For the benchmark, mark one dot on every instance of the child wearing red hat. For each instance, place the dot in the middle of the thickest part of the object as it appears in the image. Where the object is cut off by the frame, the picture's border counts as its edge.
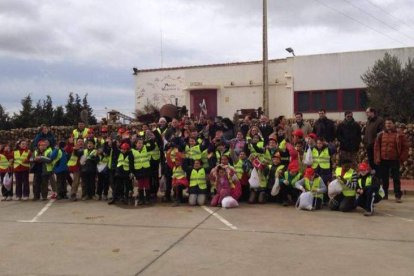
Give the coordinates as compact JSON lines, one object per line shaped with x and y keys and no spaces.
{"x":369,"y":189}
{"x":179,"y":176}
{"x":287,"y":184}
{"x":312,"y":182}
{"x":123,"y":174}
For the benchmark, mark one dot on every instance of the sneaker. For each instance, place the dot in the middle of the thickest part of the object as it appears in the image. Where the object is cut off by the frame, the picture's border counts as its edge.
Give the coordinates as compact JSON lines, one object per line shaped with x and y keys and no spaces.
{"x":9,"y":198}
{"x":25,"y":198}
{"x":18,"y":198}
{"x":104,"y":197}
{"x":85,"y":198}
{"x":4,"y":198}
{"x":398,"y":200}
{"x":53,"y":195}
{"x":73,"y":197}
{"x":95,"y":197}
{"x":368,"y":214}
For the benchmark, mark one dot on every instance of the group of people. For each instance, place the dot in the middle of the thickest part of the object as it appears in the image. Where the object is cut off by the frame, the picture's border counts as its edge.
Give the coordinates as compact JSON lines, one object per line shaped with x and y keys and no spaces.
{"x":211,"y":160}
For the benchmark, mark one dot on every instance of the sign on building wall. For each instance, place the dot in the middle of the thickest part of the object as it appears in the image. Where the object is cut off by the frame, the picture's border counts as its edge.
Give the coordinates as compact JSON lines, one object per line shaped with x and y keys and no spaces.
{"x":160,"y":89}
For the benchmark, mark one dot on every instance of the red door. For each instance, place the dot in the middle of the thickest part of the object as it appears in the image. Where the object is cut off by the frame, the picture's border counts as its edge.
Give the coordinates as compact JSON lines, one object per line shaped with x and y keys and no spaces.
{"x":203,"y":102}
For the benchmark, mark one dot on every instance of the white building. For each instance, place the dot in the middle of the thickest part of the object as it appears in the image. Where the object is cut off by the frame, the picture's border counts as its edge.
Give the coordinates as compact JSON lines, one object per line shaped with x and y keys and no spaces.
{"x":296,"y":84}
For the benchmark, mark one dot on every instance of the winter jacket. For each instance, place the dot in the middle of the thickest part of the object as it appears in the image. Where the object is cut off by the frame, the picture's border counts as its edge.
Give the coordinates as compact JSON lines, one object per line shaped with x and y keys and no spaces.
{"x":349,"y":135}
{"x":391,"y":145}
{"x":372,"y":128}
{"x":325,"y":128}
{"x":304,"y":126}
{"x":61,"y":165}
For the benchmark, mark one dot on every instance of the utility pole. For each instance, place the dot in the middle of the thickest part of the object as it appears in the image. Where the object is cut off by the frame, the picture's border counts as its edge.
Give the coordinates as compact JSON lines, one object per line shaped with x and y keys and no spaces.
{"x":265,"y":65}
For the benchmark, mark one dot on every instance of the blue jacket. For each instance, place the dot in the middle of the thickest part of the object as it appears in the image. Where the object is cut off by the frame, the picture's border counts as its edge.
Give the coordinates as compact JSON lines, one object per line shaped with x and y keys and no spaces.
{"x":61,"y":166}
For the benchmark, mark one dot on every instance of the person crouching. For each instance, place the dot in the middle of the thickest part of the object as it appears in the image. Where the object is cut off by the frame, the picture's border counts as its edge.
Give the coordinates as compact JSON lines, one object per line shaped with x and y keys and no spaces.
{"x":198,"y":184}
{"x":311,"y":182}
{"x":369,"y":189}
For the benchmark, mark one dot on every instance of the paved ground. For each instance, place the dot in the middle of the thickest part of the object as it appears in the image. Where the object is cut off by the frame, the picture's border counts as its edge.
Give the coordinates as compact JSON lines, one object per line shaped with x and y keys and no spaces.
{"x":92,"y":238}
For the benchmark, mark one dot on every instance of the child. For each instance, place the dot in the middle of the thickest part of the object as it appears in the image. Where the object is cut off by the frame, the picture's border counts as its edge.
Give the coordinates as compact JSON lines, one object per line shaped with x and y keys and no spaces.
{"x":21,"y":168}
{"x":74,"y":164}
{"x":142,"y":169}
{"x":198,"y":184}
{"x":287,"y":184}
{"x":179,"y":179}
{"x":274,"y":171}
{"x":369,"y":189}
{"x":348,"y":178}
{"x":259,"y":194}
{"x":42,"y":169}
{"x":103,"y":174}
{"x":243,"y":168}
{"x":123,"y":173}
{"x":312,"y":183}
{"x":60,"y":168}
{"x":5,"y":169}
{"x":88,"y":169}
{"x":223,"y":186}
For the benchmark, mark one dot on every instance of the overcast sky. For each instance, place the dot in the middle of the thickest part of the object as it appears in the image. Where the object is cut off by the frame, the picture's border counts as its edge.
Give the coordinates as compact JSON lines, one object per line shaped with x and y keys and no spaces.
{"x":90,"y":46}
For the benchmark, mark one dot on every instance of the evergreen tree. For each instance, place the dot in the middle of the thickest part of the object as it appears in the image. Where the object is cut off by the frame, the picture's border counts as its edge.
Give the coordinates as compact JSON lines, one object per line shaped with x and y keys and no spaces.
{"x":25,"y":117}
{"x":59,"y":118}
{"x":5,"y":122}
{"x":91,"y":118}
{"x":71,"y":112}
{"x":47,"y":111}
{"x":37,"y":114}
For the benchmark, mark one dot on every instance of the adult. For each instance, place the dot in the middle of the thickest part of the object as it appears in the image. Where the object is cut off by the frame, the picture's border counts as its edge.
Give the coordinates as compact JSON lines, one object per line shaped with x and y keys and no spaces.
{"x":282,"y":122}
{"x":44,"y":134}
{"x":301,"y":124}
{"x":324,"y":127}
{"x":349,"y":136}
{"x":245,"y":125}
{"x":373,"y":126}
{"x":265,"y":128}
{"x":390,"y":150}
{"x":81,"y":131}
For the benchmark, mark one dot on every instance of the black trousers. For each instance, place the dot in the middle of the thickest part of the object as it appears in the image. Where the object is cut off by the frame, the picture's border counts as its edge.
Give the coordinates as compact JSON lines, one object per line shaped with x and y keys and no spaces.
{"x":61,"y":184}
{"x":88,"y":184}
{"x":155,"y":181}
{"x":103,"y":183}
{"x":40,"y":185}
{"x":370,"y":154}
{"x":342,"y":203}
{"x":394,"y":166}
{"x":368,"y":198}
{"x":122,"y":187}
{"x":286,"y":190}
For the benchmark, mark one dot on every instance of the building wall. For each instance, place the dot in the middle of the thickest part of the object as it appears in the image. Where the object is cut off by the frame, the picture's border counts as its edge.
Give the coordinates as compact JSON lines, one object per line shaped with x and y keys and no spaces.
{"x":240,"y":85}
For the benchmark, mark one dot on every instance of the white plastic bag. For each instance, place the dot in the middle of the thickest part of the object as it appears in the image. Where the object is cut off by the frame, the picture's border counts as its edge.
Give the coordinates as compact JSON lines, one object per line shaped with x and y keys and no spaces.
{"x":163,"y":184}
{"x":308,"y":160}
{"x":276,"y":187}
{"x":334,"y":188}
{"x":254,"y":179}
{"x":7,"y":181}
{"x":229,"y":202}
{"x":101,"y":167}
{"x":305,"y":201}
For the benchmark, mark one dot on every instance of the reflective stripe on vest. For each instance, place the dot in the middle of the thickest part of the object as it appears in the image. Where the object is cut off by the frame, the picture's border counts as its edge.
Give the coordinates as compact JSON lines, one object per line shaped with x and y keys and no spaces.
{"x":73,"y":160}
{"x":141,"y":158}
{"x":204,"y":158}
{"x":77,"y":134}
{"x":47,"y":153}
{"x":315,"y":184}
{"x":19,"y":160}
{"x":321,"y":159}
{"x":178,"y":173}
{"x":198,"y":178}
{"x":259,"y":144}
{"x":239,"y":168}
{"x":58,"y":157}
{"x":193,"y":152}
{"x":368,"y":182}
{"x":294,"y":180}
{"x":89,"y":154}
{"x":4,"y":163}
{"x":346,"y":191}
{"x":155,"y":154}
{"x":123,"y":162}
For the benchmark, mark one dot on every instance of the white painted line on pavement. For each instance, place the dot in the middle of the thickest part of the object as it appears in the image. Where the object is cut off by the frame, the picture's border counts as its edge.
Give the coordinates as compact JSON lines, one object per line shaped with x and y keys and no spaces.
{"x":405,"y":219}
{"x":220,"y":218}
{"x":44,"y":209}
